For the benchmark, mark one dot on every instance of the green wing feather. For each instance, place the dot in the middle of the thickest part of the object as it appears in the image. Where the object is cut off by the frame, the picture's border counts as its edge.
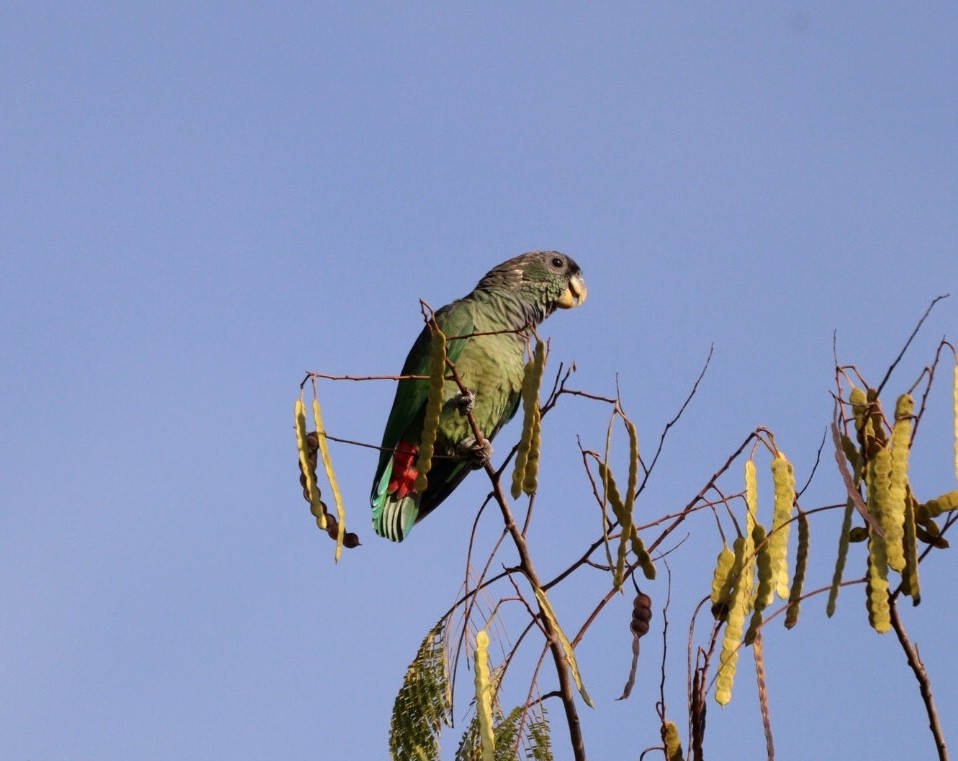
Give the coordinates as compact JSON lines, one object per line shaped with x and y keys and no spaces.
{"x":406,"y":419}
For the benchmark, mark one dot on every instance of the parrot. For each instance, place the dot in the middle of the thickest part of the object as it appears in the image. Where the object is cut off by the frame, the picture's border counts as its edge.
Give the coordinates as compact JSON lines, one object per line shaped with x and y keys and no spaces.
{"x":488,"y":332}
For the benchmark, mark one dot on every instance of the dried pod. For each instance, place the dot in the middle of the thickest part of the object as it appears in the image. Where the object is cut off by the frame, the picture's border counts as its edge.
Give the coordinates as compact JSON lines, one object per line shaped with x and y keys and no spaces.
{"x":763,"y":595}
{"x":798,"y":578}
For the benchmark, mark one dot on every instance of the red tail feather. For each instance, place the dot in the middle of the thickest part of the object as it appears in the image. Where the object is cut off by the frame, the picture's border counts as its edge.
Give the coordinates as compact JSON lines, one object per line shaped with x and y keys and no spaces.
{"x":404,"y":473}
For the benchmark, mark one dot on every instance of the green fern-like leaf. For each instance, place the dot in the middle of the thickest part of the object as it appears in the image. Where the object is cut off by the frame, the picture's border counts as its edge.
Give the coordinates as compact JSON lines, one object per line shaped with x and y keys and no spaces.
{"x":422,"y":706}
{"x":539,"y":739}
{"x":535,"y":736}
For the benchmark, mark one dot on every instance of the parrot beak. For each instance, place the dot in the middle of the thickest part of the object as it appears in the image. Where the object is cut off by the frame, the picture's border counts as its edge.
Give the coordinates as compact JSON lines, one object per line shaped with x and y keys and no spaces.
{"x":575,"y":294}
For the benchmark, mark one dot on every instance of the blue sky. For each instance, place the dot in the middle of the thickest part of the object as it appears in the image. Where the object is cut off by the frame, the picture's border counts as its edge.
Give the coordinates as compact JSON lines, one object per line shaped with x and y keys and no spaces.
{"x":199,"y":202}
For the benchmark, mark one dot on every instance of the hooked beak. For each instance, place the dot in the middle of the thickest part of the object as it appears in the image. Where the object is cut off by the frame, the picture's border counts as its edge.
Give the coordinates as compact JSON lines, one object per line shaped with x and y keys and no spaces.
{"x":575,"y":294}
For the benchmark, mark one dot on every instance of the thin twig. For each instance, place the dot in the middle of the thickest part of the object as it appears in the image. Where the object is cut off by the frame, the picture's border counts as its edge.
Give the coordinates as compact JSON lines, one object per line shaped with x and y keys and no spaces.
{"x":908,"y":342}
{"x":924,"y":681}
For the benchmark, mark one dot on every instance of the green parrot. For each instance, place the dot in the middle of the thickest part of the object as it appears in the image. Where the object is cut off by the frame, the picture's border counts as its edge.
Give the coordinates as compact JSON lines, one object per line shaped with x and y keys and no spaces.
{"x":488,"y":332}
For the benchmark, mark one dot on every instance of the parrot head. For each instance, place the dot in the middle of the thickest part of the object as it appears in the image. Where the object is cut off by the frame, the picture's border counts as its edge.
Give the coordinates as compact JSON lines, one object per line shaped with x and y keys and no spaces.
{"x":546,"y":279}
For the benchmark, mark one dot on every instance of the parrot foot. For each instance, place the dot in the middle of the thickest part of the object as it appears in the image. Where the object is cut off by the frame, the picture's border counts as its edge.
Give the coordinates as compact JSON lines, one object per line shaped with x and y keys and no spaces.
{"x":477,"y":454}
{"x":465,"y":403}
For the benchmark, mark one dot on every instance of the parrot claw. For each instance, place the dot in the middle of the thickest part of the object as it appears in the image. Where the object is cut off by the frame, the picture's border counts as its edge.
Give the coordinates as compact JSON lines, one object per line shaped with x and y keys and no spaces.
{"x":477,"y":454}
{"x":465,"y":402}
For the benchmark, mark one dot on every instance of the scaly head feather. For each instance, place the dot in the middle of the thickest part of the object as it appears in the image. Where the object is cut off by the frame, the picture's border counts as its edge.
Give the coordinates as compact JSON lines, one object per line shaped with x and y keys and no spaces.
{"x":537,"y":283}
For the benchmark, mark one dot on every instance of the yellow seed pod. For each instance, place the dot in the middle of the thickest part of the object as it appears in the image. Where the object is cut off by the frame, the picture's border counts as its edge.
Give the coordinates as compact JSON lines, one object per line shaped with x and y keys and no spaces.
{"x":330,"y":476}
{"x":721,"y":583}
{"x":843,"y":541}
{"x":894,"y":518}
{"x":434,"y":402}
{"x":622,"y":515}
{"x":735,"y":623}
{"x":525,"y":473}
{"x":874,"y":428}
{"x":612,"y":493}
{"x":935,"y":507}
{"x":883,"y":505}
{"x":546,"y":608}
{"x":909,"y":576}
{"x":751,"y":496}
{"x":798,"y":578}
{"x":633,"y":464}
{"x":672,"y":742}
{"x":766,"y":579}
{"x":530,"y":483}
{"x":859,"y":401}
{"x":783,"y":479}
{"x":876,"y":586}
{"x":642,"y":555}
{"x":530,"y":480}
{"x":484,"y":690}
{"x":315,"y":501}
{"x":525,"y":439}
{"x":853,"y":456}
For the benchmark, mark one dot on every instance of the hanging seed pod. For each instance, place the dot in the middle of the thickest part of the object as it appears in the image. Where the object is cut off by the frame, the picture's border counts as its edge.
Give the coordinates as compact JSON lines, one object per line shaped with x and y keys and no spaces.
{"x":639,"y":626}
{"x":641,"y":614}
{"x":893,"y":518}
{"x":642,"y":555}
{"x":909,"y":575}
{"x":763,"y":595}
{"x":331,"y":477}
{"x":783,"y":479}
{"x":306,"y":467}
{"x":798,"y":578}
{"x":672,"y":741}
{"x":843,"y":540}
{"x":738,"y":604}
{"x":484,"y":690}
{"x":623,"y":516}
{"x":722,"y":582}
{"x":546,"y":608}
{"x":530,"y":483}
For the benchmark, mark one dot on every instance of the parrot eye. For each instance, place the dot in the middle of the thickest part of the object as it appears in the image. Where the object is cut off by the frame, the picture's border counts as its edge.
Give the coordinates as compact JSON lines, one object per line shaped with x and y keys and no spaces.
{"x":557,"y":262}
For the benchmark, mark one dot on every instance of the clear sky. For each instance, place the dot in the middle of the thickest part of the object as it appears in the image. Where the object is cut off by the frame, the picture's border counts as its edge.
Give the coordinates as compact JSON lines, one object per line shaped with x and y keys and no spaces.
{"x":201,"y":201}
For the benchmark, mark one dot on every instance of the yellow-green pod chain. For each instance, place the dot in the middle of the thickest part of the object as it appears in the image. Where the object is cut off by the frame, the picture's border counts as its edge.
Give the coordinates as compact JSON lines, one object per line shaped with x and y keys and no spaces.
{"x":893,"y":522}
{"x":633,"y":464}
{"x":672,"y":741}
{"x":843,"y":541}
{"x":751,"y":496}
{"x":876,"y":585}
{"x":487,"y":735}
{"x":783,"y":479}
{"x":935,"y":507}
{"x":527,"y":455}
{"x":728,"y":659}
{"x":330,"y":476}
{"x":909,"y":576}
{"x":531,"y":480}
{"x":642,"y":555}
{"x":546,"y":607}
{"x":721,"y":581}
{"x":766,"y":580}
{"x":798,"y":578}
{"x":751,"y":501}
{"x":522,"y":450}
{"x":623,"y":516}
{"x":315,"y":501}
{"x":859,"y":401}
{"x":434,"y":400}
